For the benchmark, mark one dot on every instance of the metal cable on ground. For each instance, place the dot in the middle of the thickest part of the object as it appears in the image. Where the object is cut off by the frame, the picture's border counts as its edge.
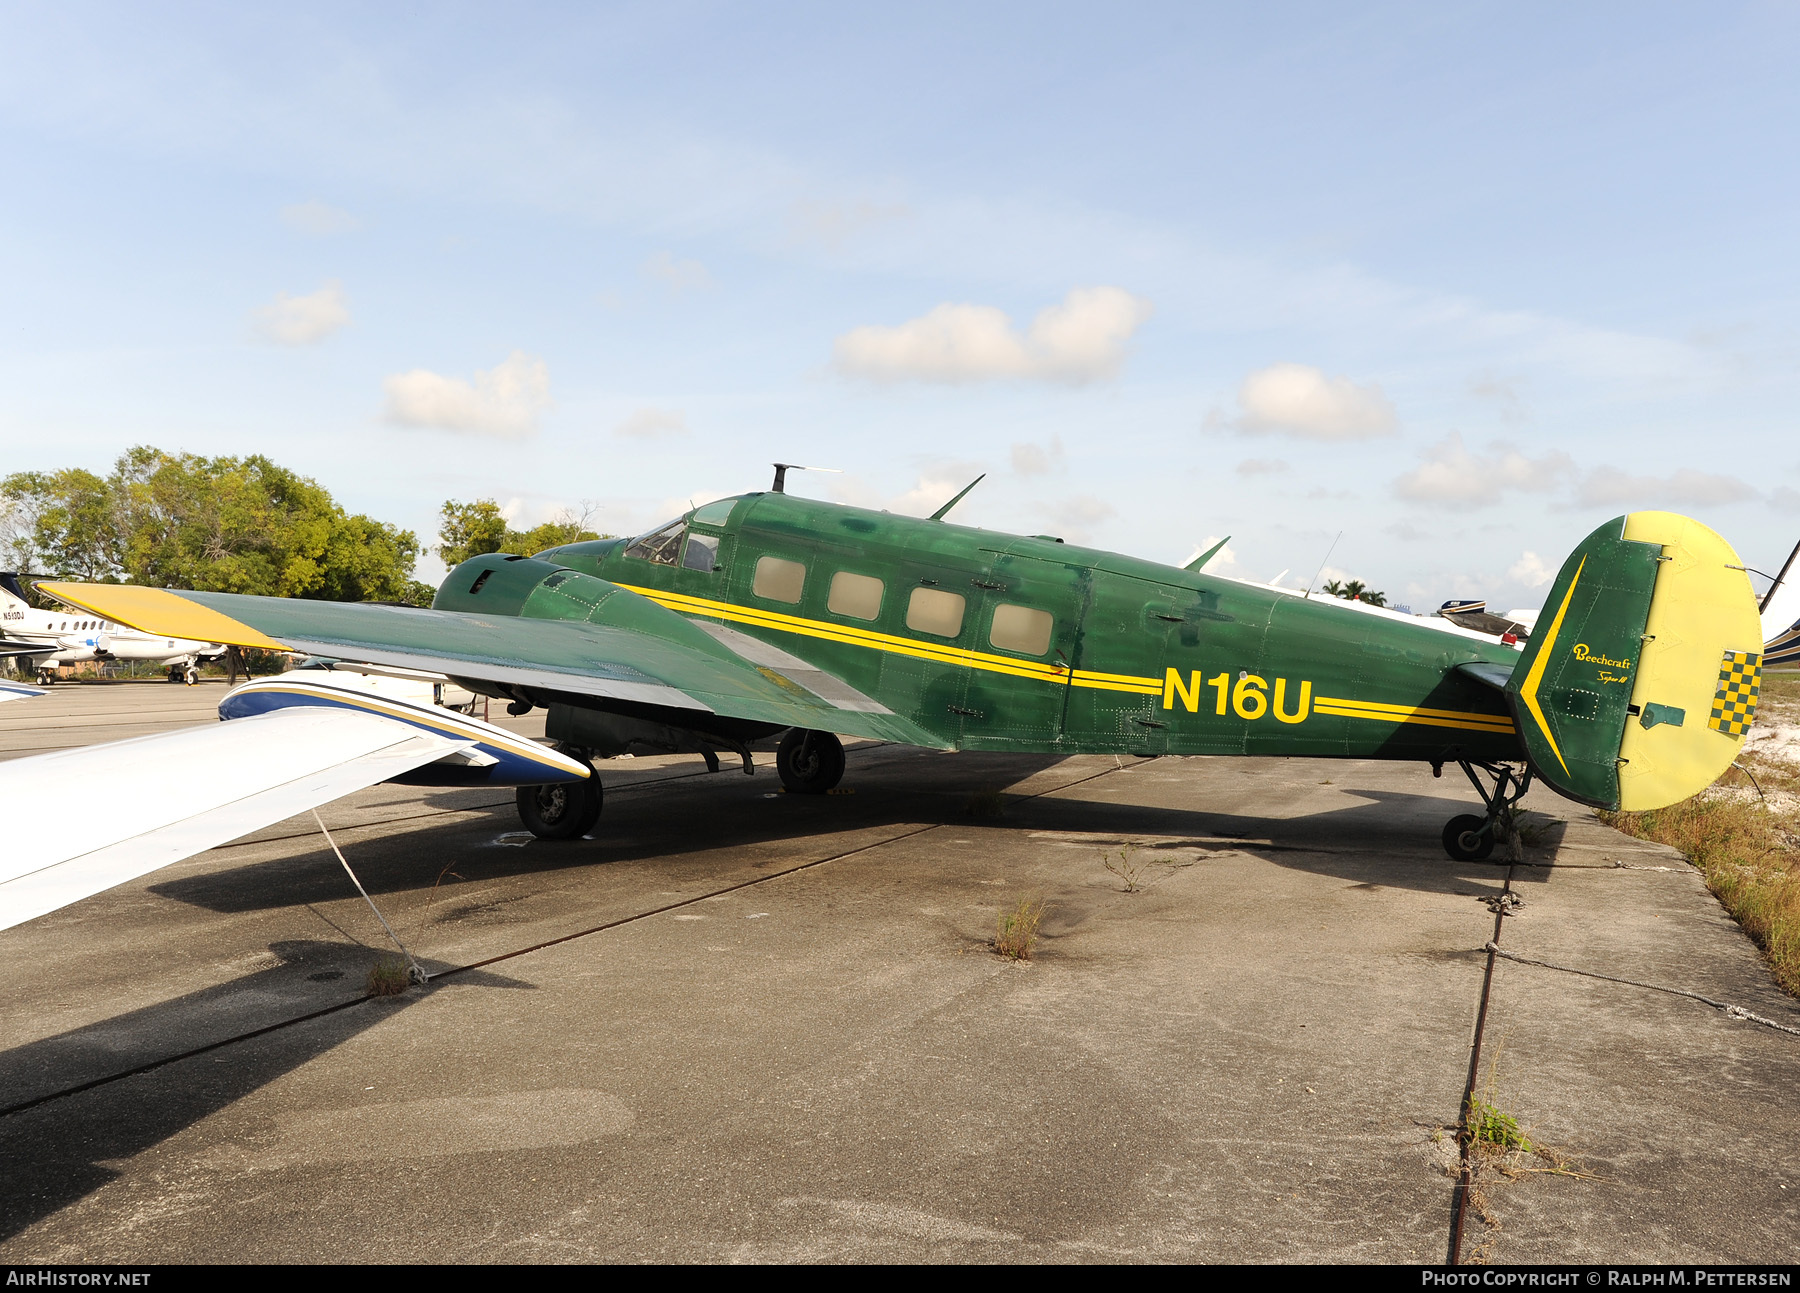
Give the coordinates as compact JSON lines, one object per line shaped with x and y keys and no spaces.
{"x":1735,"y":1012}
{"x":164,"y":1061}
{"x":1465,"y":1177}
{"x":413,"y":971}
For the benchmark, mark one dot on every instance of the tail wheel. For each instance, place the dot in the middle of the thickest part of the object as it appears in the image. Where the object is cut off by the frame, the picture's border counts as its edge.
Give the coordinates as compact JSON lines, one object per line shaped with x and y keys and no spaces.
{"x":1468,"y":838}
{"x":810,"y":763}
{"x":565,"y":811}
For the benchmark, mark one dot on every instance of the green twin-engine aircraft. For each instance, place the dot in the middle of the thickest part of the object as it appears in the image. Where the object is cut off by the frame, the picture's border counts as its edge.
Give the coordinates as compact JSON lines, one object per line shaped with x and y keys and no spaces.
{"x":766,"y":612}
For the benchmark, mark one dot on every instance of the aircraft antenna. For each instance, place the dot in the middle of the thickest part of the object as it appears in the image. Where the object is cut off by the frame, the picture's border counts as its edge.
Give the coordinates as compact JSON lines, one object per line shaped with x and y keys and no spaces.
{"x":1200,"y":561}
{"x":944,"y":511}
{"x":783,"y":468}
{"x":1779,"y":580}
{"x":1322,"y":561}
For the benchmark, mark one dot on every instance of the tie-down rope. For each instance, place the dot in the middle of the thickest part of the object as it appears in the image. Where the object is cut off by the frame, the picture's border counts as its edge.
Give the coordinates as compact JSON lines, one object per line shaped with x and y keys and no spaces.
{"x":414,"y":972}
{"x":1736,"y":1012}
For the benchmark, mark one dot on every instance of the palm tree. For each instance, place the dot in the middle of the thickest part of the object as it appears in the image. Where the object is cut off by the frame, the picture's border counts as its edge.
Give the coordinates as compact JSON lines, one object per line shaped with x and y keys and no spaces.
{"x":1355,"y":591}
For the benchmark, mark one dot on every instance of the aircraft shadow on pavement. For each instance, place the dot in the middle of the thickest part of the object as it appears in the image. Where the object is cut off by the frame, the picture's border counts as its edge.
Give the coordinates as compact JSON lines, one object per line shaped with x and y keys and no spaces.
{"x":1394,"y":832}
{"x":60,"y":1151}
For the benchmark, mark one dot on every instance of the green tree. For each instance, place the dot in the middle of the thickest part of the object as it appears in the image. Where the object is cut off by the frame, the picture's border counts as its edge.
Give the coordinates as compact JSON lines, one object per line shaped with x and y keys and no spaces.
{"x":241,"y":525}
{"x":470,"y":529}
{"x":60,"y":522}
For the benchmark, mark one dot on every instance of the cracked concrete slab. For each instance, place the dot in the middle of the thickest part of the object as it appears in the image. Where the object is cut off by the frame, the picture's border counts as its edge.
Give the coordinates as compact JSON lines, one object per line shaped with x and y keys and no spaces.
{"x":788,"y":1039}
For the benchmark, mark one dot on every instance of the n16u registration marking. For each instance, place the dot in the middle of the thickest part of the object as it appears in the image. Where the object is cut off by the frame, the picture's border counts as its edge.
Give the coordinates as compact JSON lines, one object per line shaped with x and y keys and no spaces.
{"x":1249,"y":699}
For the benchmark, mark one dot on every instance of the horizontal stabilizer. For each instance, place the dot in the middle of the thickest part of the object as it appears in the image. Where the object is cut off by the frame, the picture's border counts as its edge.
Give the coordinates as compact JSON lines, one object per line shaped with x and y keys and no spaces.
{"x":175,"y":794}
{"x":1491,"y":675}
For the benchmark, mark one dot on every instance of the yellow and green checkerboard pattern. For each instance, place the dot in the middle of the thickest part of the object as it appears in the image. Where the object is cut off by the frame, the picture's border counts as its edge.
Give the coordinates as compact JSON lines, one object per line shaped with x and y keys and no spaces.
{"x":1734,"y":704}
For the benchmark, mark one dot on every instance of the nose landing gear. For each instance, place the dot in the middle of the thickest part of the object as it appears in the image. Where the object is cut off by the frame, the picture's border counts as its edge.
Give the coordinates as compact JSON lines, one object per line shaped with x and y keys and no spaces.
{"x":1468,"y":838}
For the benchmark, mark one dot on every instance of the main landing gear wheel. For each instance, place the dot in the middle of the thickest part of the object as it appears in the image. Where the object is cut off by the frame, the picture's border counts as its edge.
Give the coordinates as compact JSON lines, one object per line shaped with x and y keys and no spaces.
{"x":1468,"y":838}
{"x":565,"y":811}
{"x":810,"y":763}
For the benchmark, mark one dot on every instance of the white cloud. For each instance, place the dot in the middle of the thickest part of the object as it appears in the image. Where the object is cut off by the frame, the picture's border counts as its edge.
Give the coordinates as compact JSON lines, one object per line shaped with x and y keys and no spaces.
{"x":1503,"y":393}
{"x":504,"y":401}
{"x":653,"y":424}
{"x":1081,"y":339}
{"x":1451,"y":476}
{"x":303,"y":320}
{"x":677,"y":275}
{"x":318,"y":219}
{"x":1075,"y":518}
{"x":1296,"y":399}
{"x":1530,"y":571}
{"x":832,"y":222}
{"x":1261,"y":467}
{"x":1687,"y":487}
{"x":1035,"y":460}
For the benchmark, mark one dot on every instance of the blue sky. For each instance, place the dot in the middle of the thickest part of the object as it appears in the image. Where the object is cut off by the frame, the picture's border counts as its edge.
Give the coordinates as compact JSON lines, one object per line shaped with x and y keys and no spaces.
{"x":1460,"y":282}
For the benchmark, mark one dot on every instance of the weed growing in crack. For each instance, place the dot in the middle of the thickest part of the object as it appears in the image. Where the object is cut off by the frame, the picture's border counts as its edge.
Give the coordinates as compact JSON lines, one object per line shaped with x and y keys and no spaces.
{"x":1489,"y":1128}
{"x":1018,"y":929}
{"x":1124,"y":867}
{"x":388,"y":977}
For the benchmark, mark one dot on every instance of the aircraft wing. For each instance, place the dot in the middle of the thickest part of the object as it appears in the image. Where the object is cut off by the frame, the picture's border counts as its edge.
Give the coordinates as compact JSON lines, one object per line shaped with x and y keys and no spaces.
{"x":629,"y":650}
{"x":10,"y":647}
{"x":18,"y":691}
{"x":1781,"y":618}
{"x":97,"y":816}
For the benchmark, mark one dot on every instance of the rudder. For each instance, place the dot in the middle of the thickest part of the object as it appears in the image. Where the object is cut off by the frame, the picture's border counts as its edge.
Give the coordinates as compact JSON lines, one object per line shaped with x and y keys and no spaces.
{"x":1638,"y":689}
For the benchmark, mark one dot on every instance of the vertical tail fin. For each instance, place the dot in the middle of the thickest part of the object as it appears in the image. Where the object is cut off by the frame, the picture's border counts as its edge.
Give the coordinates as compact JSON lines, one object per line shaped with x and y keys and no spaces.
{"x":1641,"y":679}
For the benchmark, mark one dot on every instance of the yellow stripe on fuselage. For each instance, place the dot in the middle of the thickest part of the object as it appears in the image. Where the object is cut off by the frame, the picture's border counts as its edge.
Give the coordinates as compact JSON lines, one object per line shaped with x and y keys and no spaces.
{"x":1094,"y":680}
{"x":1463,"y":719}
{"x":159,"y":611}
{"x":942,"y":654}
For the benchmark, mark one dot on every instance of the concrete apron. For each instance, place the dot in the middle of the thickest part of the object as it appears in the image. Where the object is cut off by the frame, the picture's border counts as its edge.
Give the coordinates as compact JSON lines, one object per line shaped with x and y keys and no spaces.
{"x":1259,"y":1055}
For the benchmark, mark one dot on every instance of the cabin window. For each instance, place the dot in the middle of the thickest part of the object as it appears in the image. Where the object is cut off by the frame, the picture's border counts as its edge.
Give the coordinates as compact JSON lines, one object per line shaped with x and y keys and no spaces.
{"x":932,"y":610}
{"x":701,"y":553}
{"x":659,"y":547}
{"x":779,"y":580}
{"x":715,"y":513}
{"x":1021,"y":629}
{"x":858,"y":596}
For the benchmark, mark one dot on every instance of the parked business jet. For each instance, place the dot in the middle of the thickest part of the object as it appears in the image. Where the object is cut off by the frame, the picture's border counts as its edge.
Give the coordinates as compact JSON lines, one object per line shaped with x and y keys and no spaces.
{"x":70,"y":637}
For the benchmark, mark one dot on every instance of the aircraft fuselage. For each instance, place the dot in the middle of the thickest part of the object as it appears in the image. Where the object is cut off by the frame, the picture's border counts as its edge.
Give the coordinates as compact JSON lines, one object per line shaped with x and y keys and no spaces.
{"x":1002,"y":642}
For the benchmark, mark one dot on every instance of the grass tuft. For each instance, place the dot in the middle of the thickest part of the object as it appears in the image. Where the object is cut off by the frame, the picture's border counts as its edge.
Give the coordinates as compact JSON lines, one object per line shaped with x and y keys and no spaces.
{"x":1750,"y":857}
{"x":1489,"y":1128}
{"x":1018,"y":930}
{"x":388,"y":977}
